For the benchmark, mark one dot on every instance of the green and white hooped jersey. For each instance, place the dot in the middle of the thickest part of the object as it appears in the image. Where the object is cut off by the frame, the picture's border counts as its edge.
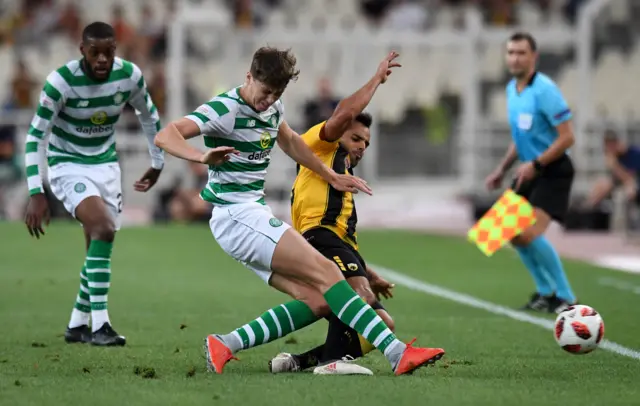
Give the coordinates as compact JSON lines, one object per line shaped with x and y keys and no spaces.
{"x":227,"y":120}
{"x":79,"y":115}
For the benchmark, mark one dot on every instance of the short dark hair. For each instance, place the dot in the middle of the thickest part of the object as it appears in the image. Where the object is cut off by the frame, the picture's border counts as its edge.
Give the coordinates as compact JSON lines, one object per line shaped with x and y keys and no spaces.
{"x":98,"y":30}
{"x":365,"y":119}
{"x":274,"y":67}
{"x":525,"y":36}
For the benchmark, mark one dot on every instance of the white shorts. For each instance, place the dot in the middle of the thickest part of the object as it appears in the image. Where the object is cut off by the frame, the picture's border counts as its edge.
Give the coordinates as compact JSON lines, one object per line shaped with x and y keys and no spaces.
{"x":71,"y":183}
{"x":249,"y":233}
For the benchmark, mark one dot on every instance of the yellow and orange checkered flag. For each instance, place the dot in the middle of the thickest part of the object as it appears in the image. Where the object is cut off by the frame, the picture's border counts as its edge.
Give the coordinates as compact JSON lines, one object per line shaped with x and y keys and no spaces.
{"x":507,"y":218}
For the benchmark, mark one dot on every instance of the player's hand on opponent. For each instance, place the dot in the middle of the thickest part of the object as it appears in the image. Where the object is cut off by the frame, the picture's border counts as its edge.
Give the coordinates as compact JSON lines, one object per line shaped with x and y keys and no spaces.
{"x":350,"y":183}
{"x":147,"y":180}
{"x":494,"y":180}
{"x":384,"y":69}
{"x":37,"y":211}
{"x":381,"y":287}
{"x":218,"y":156}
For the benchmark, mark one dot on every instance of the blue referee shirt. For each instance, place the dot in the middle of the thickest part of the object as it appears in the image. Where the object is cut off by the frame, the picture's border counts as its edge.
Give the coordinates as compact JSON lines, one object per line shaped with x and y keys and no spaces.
{"x":534,"y":114}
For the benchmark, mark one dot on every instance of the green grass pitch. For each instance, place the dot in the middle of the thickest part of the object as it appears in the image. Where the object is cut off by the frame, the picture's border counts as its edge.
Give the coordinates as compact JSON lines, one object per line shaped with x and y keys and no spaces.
{"x":173,"y":285}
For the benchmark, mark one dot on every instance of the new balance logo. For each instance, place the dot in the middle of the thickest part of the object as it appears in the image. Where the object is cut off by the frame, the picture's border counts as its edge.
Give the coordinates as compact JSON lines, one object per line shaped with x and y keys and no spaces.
{"x":83,"y":103}
{"x":251,"y":123}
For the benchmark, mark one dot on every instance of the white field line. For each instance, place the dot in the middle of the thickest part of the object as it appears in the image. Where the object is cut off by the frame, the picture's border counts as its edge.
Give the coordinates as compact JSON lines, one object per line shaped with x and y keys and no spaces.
{"x":620,"y":285}
{"x":444,"y":293}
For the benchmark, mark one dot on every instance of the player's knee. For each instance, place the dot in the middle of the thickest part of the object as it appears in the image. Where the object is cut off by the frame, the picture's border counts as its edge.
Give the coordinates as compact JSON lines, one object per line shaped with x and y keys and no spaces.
{"x":326,"y":274}
{"x":104,"y":230}
{"x":302,"y":292}
{"x":320,"y":308}
{"x":317,"y":304}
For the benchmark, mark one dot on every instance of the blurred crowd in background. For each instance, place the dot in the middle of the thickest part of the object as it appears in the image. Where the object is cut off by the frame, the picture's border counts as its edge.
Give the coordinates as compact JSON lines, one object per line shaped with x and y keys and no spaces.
{"x":142,"y":35}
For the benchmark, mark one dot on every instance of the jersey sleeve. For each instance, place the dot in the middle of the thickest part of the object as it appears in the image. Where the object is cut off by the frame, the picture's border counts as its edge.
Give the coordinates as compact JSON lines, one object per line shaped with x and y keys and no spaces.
{"x":147,"y":115}
{"x":313,"y":140}
{"x":280,"y":109}
{"x":50,"y":103}
{"x":215,"y":117}
{"x":553,"y":105}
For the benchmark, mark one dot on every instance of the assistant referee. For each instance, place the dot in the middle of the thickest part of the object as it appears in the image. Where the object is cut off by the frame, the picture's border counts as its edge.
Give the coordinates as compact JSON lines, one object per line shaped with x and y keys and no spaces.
{"x":541,"y":131}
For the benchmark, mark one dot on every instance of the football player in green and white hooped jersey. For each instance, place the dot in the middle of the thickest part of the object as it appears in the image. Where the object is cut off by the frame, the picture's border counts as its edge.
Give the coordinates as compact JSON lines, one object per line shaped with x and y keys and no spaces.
{"x":79,"y":106}
{"x":241,"y":127}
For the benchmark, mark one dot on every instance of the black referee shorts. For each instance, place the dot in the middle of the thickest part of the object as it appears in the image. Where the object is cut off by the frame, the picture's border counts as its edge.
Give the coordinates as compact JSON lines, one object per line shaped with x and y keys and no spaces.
{"x":550,"y":190}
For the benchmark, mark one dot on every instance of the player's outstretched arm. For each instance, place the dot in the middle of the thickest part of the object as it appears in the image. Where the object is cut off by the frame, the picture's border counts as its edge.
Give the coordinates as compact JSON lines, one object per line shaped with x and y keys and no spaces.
{"x":147,"y":115}
{"x":211,"y":118}
{"x":294,"y":146}
{"x":173,"y":139}
{"x":150,"y":121}
{"x":353,"y":105}
{"x":51,"y":101}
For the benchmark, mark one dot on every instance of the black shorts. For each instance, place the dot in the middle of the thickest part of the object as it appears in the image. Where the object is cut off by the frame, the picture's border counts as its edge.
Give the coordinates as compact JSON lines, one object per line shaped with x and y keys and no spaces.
{"x":331,"y":246}
{"x":344,"y":255}
{"x":551,"y":189}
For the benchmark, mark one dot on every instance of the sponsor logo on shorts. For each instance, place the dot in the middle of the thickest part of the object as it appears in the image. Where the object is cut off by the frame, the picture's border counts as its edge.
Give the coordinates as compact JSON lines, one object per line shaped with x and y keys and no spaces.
{"x":80,"y":187}
{"x":274,"y":222}
{"x":352,"y":267}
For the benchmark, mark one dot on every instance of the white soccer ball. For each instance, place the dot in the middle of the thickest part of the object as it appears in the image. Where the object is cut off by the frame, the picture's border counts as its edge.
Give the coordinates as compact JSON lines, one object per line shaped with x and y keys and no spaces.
{"x":579,"y":329}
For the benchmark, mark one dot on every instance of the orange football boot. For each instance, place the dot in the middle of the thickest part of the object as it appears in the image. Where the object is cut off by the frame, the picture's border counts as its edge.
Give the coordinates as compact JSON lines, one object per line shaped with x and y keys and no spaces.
{"x":416,"y":357}
{"x":217,"y":354}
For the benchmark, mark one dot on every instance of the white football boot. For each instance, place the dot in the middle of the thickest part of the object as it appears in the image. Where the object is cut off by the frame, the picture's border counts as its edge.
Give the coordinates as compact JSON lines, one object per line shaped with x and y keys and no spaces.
{"x":345,"y":366}
{"x":283,"y":362}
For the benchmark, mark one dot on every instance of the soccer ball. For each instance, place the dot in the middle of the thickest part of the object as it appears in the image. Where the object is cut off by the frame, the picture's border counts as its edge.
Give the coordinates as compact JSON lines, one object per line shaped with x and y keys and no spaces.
{"x":579,"y":329}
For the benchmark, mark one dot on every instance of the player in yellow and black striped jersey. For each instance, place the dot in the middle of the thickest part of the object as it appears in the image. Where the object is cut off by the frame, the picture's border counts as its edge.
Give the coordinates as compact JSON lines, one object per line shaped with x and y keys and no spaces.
{"x":327,"y":219}
{"x":314,"y":202}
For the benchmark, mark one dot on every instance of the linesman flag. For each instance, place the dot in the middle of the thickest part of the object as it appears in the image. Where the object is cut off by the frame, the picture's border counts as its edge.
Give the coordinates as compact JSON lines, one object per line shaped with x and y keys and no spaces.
{"x":507,"y":218}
